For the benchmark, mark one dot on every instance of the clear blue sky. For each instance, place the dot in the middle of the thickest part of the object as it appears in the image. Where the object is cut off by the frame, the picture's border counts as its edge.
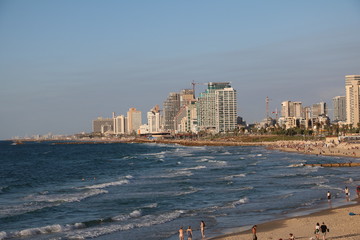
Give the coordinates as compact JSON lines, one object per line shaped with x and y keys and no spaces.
{"x":63,"y":63}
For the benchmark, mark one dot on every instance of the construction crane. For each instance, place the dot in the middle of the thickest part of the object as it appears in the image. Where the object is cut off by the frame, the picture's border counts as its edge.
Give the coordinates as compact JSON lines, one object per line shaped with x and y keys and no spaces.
{"x":193,"y":86}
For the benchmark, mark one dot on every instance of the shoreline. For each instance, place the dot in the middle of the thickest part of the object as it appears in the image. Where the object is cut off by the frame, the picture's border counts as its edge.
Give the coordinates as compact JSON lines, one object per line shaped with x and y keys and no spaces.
{"x":342,"y":226}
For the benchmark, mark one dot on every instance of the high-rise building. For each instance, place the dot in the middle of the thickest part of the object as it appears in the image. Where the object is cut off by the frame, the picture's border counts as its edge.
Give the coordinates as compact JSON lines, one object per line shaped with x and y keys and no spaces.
{"x":171,"y":107}
{"x":216,"y":107}
{"x":133,"y":120}
{"x":291,"y":109}
{"x":120,"y":124}
{"x":339,"y":105}
{"x":352,"y":89}
{"x":319,"y":109}
{"x":226,"y":109}
{"x":154,"y":120}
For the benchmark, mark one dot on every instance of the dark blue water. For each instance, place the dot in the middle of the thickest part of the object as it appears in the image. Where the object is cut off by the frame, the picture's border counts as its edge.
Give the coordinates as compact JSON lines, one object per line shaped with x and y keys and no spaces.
{"x":147,"y":191}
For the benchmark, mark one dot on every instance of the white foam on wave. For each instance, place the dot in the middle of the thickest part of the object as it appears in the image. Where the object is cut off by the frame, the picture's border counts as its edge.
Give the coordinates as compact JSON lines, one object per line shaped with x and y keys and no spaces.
{"x":38,"y":231}
{"x":240,"y":202}
{"x":242,"y":175}
{"x":143,"y":221}
{"x":105,"y":185}
{"x":30,"y":232}
{"x":3,"y":235}
{"x":68,"y":197}
{"x":191,"y":190}
{"x":218,"y":162}
{"x":41,"y":201}
{"x":152,"y":205}
{"x":192,"y":168}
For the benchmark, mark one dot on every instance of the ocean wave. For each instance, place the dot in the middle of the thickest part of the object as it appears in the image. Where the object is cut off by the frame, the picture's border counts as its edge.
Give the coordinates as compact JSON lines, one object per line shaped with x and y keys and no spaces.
{"x":143,"y":221}
{"x":66,"y":197}
{"x":3,"y":235}
{"x":123,"y":217}
{"x":105,"y":185}
{"x":191,"y":190}
{"x":192,"y":168}
{"x":240,"y":202}
{"x":235,"y":176}
{"x":41,"y":201}
{"x":50,"y":229}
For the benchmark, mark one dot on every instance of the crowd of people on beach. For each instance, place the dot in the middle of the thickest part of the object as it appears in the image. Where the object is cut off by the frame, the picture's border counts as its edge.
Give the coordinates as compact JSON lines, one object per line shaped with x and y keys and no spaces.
{"x":318,"y":147}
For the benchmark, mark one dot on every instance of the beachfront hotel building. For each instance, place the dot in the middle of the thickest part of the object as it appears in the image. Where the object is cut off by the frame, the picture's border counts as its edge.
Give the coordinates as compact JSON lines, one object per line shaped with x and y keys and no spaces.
{"x":352,"y":89}
{"x":339,"y":106}
{"x":133,"y":120}
{"x":217,"y":108}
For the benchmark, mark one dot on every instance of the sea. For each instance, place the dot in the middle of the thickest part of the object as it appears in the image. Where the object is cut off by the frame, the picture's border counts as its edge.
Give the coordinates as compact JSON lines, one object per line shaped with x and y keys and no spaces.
{"x":116,"y":191}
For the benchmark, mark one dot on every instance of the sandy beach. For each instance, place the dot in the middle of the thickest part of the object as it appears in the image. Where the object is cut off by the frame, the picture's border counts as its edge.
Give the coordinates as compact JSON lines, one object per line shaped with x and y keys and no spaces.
{"x":342,"y":226}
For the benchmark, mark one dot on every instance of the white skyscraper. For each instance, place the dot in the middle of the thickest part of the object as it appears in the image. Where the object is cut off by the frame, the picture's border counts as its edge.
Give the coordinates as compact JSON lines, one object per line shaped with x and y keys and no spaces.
{"x":216,"y":108}
{"x":352,"y":88}
{"x":226,"y":109}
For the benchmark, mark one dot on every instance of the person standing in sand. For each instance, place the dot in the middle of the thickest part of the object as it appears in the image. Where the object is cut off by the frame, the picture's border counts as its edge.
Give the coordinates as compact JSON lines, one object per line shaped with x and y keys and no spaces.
{"x":324,"y":229}
{"x":317,"y":231}
{"x":202,"y":229}
{"x":181,"y":233}
{"x":189,"y":233}
{"x":253,"y":229}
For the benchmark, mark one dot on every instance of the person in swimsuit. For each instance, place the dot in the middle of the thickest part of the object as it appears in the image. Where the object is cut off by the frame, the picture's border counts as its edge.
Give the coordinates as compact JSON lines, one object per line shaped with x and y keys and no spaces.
{"x":181,"y":233}
{"x":202,"y":229}
{"x":253,"y":229}
{"x":189,"y":233}
{"x":328,"y":195}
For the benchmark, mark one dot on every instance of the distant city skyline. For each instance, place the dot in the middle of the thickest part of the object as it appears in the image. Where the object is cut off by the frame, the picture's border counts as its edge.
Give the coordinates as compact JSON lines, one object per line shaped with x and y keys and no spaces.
{"x":64,"y":63}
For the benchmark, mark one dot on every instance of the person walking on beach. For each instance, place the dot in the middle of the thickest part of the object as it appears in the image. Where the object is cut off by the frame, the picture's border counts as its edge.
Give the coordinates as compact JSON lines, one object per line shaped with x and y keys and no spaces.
{"x":202,"y":229}
{"x":253,"y":229}
{"x":324,"y":229}
{"x":181,"y":233}
{"x":189,"y":233}
{"x":317,"y":231}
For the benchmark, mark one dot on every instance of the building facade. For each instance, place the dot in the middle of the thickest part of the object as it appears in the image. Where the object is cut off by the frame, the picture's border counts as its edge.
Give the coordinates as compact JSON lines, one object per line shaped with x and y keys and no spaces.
{"x":120,"y":124}
{"x":154,"y":120}
{"x":339,"y":105}
{"x":103,"y":125}
{"x":171,"y":107}
{"x":134,"y":121}
{"x":226,"y":109}
{"x":216,"y":108}
{"x":352,"y":89}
